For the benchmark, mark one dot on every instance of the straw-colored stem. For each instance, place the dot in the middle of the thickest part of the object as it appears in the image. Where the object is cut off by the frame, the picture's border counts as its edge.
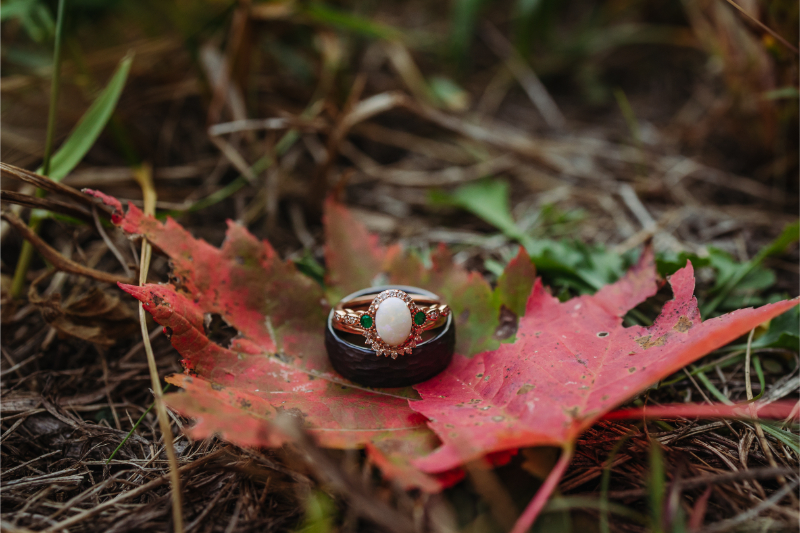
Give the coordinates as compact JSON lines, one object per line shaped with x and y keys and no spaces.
{"x":143,"y":176}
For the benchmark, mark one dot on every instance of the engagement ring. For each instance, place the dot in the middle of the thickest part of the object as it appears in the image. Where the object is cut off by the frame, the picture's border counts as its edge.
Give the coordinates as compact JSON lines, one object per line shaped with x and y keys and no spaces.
{"x":410,"y":327}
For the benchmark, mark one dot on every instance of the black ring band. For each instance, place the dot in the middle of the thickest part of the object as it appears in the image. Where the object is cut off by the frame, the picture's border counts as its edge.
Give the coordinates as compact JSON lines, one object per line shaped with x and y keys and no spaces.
{"x":362,"y":365}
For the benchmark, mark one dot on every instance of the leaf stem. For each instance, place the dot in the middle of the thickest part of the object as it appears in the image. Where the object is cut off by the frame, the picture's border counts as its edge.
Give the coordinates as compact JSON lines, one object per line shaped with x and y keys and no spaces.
{"x":535,"y":506}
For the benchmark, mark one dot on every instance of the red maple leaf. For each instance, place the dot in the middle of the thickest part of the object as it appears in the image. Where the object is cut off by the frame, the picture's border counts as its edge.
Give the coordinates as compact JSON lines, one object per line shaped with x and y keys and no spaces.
{"x":572,"y":362}
{"x":277,"y":363}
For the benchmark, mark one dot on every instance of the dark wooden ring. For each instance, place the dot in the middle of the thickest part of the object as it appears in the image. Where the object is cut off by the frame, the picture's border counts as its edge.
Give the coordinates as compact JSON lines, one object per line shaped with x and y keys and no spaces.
{"x":362,"y":365}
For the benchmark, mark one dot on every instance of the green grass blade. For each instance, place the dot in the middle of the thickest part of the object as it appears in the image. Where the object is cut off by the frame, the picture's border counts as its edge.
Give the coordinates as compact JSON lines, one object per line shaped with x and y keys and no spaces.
{"x":712,"y":389}
{"x":54,"y":90}
{"x":463,"y":23}
{"x":136,"y":425}
{"x":566,"y":503}
{"x":789,"y":439}
{"x":348,"y":21}
{"x":789,"y":235}
{"x":91,"y":124}
{"x":604,"y":505}
{"x":655,"y":488}
{"x":26,"y":254}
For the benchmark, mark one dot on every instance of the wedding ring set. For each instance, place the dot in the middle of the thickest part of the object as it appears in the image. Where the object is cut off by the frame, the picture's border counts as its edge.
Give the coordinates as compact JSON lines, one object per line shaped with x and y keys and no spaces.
{"x":408,"y":336}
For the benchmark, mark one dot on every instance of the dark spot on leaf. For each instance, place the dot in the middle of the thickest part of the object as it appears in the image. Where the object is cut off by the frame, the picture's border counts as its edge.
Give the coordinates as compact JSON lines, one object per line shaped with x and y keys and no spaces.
{"x":245,"y":403}
{"x":479,"y":375}
{"x":284,"y":358}
{"x":525,"y":389}
{"x":157,"y":300}
{"x":632,"y":369}
{"x":507,"y":325}
{"x":648,"y":342}
{"x":217,"y":386}
{"x":602,"y":334}
{"x":683,"y":325}
{"x":167,"y":331}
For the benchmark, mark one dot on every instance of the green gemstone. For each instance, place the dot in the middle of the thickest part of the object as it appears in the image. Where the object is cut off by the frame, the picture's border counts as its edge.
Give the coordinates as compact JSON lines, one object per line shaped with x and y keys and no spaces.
{"x":366,"y":321}
{"x":419,"y":318}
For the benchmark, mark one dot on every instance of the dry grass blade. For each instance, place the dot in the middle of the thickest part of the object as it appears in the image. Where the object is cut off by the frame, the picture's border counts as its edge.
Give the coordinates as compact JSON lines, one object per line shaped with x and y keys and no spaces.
{"x":258,"y":118}
{"x":727,"y":525}
{"x":142,"y":489}
{"x":43,"y":182}
{"x":145,"y":180}
{"x":525,"y":75}
{"x":54,"y":206}
{"x":359,"y":497}
{"x":764,"y":27}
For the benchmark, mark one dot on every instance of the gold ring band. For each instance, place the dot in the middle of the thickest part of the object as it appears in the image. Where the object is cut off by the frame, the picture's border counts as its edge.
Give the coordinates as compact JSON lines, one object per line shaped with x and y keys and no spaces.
{"x":359,"y":316}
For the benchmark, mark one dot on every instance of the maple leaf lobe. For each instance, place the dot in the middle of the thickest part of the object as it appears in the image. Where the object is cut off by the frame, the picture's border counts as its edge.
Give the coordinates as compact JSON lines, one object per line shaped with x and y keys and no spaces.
{"x":566,"y":395}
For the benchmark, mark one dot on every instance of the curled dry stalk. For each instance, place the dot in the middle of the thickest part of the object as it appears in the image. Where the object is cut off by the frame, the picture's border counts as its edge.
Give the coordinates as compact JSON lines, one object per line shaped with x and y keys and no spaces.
{"x":52,"y":255}
{"x":144,"y":178}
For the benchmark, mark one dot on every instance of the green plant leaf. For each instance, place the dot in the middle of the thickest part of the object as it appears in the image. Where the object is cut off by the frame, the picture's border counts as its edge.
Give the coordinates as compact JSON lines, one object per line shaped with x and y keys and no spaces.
{"x":488,"y":200}
{"x":784,"y":332}
{"x":670,"y":262}
{"x":563,"y":263}
{"x":91,"y":125}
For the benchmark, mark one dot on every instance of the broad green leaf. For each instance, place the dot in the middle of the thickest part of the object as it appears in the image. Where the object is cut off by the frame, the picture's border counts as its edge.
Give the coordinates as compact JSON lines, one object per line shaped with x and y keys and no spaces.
{"x":488,"y":200}
{"x":783,"y":332}
{"x":670,"y":262}
{"x":91,"y":125}
{"x":571,"y":264}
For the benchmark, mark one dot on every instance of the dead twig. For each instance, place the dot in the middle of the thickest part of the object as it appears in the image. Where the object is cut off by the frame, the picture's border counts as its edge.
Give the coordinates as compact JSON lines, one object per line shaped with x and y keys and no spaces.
{"x":43,"y":182}
{"x":526,"y":77}
{"x":54,"y":206}
{"x":58,"y":261}
{"x":142,"y":489}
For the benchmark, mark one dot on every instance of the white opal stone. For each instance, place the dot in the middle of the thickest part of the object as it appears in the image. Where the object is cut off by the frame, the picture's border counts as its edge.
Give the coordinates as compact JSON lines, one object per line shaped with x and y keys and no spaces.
{"x":393,"y":321}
